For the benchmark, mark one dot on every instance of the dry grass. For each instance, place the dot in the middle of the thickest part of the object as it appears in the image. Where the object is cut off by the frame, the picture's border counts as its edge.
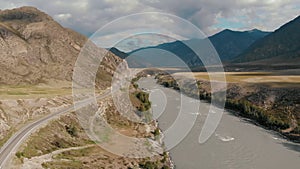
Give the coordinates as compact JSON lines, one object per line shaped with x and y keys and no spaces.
{"x":31,"y":92}
{"x":44,"y":90}
{"x":247,"y":77}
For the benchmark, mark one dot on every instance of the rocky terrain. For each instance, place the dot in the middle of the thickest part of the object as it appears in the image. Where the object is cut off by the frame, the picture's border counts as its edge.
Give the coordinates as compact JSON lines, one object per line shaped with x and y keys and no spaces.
{"x":36,"y":52}
{"x":63,"y":143}
{"x":15,"y":113}
{"x":35,"y":48}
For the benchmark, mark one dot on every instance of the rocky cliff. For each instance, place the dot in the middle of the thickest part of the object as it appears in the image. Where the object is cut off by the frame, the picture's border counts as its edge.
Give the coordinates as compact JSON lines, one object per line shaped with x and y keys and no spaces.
{"x":34,"y":48}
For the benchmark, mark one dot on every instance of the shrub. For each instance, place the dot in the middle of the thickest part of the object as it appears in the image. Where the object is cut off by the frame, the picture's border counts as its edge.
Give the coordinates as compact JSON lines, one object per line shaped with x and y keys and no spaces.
{"x":72,"y":130}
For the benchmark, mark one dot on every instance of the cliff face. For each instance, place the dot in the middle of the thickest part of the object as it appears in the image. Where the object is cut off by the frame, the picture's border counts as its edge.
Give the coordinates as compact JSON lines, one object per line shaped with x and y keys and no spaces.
{"x":34,"y":48}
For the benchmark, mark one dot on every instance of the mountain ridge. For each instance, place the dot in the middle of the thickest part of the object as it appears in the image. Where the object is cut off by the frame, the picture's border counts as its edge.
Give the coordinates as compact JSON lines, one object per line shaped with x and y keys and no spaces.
{"x":235,"y":42}
{"x":229,"y":43}
{"x":283,"y":45}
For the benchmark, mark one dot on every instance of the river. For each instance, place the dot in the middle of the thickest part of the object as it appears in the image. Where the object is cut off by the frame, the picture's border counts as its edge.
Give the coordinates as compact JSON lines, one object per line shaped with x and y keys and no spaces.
{"x":236,"y":143}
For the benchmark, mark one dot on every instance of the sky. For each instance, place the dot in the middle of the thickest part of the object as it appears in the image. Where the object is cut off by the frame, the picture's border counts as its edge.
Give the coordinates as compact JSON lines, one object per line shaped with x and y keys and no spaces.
{"x":210,"y":16}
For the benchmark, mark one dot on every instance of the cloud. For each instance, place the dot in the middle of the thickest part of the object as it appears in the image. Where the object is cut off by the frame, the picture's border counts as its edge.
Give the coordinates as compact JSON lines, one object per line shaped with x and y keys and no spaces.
{"x":150,"y":28}
{"x":87,"y":16}
{"x":62,"y":17}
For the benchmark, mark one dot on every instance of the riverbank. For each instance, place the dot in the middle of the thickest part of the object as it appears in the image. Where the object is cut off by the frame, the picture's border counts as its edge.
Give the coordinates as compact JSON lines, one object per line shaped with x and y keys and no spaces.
{"x":274,"y":108}
{"x":236,"y":143}
{"x":141,"y":102}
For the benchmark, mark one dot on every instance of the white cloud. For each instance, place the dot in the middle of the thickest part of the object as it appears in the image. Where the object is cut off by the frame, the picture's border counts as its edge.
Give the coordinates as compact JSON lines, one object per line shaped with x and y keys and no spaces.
{"x":63,"y":17}
{"x":87,"y":16}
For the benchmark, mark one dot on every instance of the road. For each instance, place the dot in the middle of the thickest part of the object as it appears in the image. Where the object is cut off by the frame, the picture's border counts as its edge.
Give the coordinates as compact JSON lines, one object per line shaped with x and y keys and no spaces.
{"x":8,"y":149}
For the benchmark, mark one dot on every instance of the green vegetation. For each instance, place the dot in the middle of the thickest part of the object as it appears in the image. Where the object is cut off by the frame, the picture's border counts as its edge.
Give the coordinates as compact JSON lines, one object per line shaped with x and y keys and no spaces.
{"x":142,"y":103}
{"x":19,"y":154}
{"x":251,"y":111}
{"x":170,"y":83}
{"x":165,"y":157}
{"x":149,"y":165}
{"x":135,"y":85}
{"x":165,"y":167}
{"x":156,"y":132}
{"x":143,"y":97}
{"x":134,"y":80}
{"x":145,"y":102}
{"x":72,"y":130}
{"x":152,"y":165}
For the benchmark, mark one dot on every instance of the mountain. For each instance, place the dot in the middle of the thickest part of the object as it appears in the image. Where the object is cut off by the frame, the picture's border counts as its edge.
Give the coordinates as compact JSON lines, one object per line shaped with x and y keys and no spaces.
{"x":117,"y":52}
{"x":34,"y":48}
{"x":283,"y":45}
{"x":230,"y":44}
{"x":132,"y":61}
{"x":165,"y":55}
{"x":227,"y":43}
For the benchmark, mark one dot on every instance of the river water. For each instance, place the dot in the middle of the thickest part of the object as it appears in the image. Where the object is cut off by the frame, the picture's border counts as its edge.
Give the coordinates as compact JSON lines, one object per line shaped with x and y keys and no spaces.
{"x":236,"y":144}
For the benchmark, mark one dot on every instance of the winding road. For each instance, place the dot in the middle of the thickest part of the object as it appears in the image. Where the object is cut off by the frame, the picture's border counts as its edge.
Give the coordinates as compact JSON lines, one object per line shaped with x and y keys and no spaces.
{"x":9,"y":148}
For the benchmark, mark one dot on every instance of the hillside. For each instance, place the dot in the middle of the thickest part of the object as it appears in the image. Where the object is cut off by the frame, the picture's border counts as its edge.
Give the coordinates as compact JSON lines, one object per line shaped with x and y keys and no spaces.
{"x":34,"y":48}
{"x":37,"y":60}
{"x":281,"y":46}
{"x":230,"y":44}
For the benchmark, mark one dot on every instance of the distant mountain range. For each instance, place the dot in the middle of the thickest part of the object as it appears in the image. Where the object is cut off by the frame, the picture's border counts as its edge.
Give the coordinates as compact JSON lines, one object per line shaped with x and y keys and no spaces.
{"x":283,"y":46}
{"x":227,"y":43}
{"x":250,"y":47}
